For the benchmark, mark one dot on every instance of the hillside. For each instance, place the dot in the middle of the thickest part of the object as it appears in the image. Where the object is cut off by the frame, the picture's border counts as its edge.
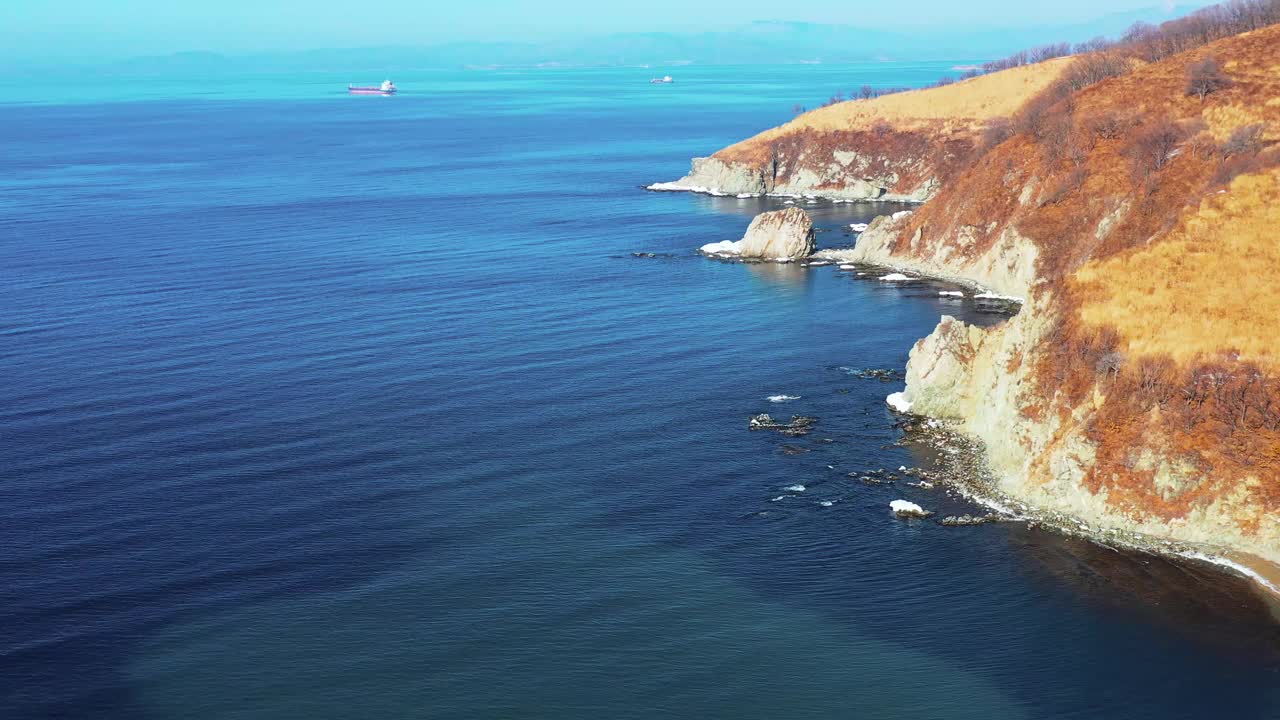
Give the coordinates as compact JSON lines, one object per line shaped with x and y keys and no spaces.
{"x":1138,"y":391}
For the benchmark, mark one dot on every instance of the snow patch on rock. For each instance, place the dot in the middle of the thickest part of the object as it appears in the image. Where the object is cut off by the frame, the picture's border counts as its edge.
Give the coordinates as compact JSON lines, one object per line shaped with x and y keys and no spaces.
{"x":906,"y":508}
{"x":899,"y":402}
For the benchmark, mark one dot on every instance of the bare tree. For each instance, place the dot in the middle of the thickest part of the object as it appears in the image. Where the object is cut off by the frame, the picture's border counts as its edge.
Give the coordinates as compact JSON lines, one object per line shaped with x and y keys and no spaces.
{"x":1107,"y":125}
{"x":1244,"y":140}
{"x":996,"y":132}
{"x":1154,"y":146}
{"x":1206,"y":77}
{"x":867,"y":92}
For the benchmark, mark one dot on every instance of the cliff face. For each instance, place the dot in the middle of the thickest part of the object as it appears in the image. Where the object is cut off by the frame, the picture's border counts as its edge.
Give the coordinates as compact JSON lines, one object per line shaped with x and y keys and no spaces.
{"x":896,"y":147}
{"x":1007,"y":266}
{"x":1139,"y":388}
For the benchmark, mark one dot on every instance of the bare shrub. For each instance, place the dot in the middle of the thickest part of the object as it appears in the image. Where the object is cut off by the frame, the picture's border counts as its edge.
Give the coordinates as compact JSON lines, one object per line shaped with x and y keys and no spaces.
{"x":1109,"y":363}
{"x":1032,"y":118}
{"x":1151,"y":43}
{"x":1093,"y":68}
{"x":1206,"y":77}
{"x":996,"y":132}
{"x":1050,"y":51}
{"x":1097,"y":44}
{"x":1200,"y":28}
{"x":1153,"y":148}
{"x":1027,"y":57}
{"x":1231,"y":167}
{"x":1054,"y":136}
{"x":1245,"y":140}
{"x":1079,"y":145}
{"x":1205,"y":146}
{"x":1065,"y":186}
{"x":1107,"y":125}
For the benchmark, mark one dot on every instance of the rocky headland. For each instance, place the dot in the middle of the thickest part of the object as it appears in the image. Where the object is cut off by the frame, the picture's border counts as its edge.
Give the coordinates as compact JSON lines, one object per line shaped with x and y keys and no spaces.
{"x":899,"y":147}
{"x":1136,"y":394}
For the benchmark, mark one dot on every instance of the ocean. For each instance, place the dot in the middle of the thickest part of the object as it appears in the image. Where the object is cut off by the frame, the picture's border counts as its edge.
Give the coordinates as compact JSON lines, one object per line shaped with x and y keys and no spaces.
{"x":324,"y":406}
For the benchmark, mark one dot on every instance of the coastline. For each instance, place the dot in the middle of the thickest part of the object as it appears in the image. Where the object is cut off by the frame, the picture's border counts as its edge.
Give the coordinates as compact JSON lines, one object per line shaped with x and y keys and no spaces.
{"x":981,"y":487}
{"x":963,"y":467}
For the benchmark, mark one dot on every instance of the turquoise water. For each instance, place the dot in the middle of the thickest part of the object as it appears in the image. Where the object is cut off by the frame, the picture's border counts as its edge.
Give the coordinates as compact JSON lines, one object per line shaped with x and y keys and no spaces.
{"x":322,"y":406}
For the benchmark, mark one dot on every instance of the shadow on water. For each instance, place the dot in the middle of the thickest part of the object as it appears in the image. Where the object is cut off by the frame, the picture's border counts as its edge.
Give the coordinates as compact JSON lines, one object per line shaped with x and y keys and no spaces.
{"x":546,"y":642}
{"x":1210,"y":606}
{"x":1225,"y":613}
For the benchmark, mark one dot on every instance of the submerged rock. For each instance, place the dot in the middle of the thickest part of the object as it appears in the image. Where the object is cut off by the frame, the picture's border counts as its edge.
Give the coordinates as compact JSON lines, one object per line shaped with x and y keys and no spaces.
{"x":799,"y":424}
{"x":876,"y":374}
{"x":961,"y":520}
{"x":779,"y":234}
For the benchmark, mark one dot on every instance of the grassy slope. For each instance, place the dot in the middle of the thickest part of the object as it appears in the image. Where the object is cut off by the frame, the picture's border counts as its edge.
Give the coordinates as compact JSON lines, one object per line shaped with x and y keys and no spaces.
{"x":1206,"y":287}
{"x":1158,"y":280}
{"x":960,"y":108}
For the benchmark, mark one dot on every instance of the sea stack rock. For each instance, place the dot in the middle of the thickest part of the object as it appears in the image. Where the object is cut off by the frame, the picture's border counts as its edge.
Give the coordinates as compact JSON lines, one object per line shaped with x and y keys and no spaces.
{"x":781,"y":234}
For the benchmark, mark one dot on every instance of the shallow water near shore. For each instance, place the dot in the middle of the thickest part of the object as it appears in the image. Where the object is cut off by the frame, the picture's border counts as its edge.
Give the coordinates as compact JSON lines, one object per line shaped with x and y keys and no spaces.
{"x":322,"y":406}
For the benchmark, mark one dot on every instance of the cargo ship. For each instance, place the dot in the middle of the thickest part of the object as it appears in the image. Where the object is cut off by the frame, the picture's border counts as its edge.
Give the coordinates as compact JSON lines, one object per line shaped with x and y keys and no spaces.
{"x":386,"y":88}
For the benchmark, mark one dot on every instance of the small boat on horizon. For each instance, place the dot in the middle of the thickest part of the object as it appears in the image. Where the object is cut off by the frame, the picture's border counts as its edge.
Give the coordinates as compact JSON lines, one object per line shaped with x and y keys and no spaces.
{"x":664,"y":80}
{"x":386,"y":88}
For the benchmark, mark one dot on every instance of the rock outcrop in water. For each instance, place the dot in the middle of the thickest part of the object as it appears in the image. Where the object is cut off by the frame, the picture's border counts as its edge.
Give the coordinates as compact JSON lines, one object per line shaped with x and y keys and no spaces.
{"x":799,"y":424}
{"x":779,"y":234}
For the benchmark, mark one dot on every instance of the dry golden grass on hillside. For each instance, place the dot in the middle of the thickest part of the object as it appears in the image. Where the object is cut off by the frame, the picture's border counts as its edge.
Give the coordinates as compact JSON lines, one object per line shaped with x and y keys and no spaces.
{"x":1209,"y":287}
{"x":961,"y":107}
{"x":1079,"y":163}
{"x":1153,"y":278}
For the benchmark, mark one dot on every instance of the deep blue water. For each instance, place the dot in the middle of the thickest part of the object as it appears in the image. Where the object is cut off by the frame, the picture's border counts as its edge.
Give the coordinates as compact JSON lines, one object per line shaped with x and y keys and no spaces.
{"x":318,"y":406}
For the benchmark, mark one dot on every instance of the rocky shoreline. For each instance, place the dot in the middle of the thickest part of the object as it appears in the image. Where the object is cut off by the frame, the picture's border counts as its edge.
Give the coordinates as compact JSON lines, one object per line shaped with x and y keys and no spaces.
{"x":964,"y":469}
{"x":971,"y":475}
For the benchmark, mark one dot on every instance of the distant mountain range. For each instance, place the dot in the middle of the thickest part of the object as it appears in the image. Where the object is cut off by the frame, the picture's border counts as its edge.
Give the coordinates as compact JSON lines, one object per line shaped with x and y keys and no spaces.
{"x":769,"y":42}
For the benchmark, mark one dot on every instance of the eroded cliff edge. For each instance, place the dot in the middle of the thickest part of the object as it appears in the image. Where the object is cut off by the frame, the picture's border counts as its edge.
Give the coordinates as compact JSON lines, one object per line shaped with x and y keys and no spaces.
{"x":1138,"y":390}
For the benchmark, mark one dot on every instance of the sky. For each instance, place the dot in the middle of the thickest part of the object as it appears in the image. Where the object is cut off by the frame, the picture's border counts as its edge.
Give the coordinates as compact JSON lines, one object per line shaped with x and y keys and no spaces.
{"x":57,"y":30}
